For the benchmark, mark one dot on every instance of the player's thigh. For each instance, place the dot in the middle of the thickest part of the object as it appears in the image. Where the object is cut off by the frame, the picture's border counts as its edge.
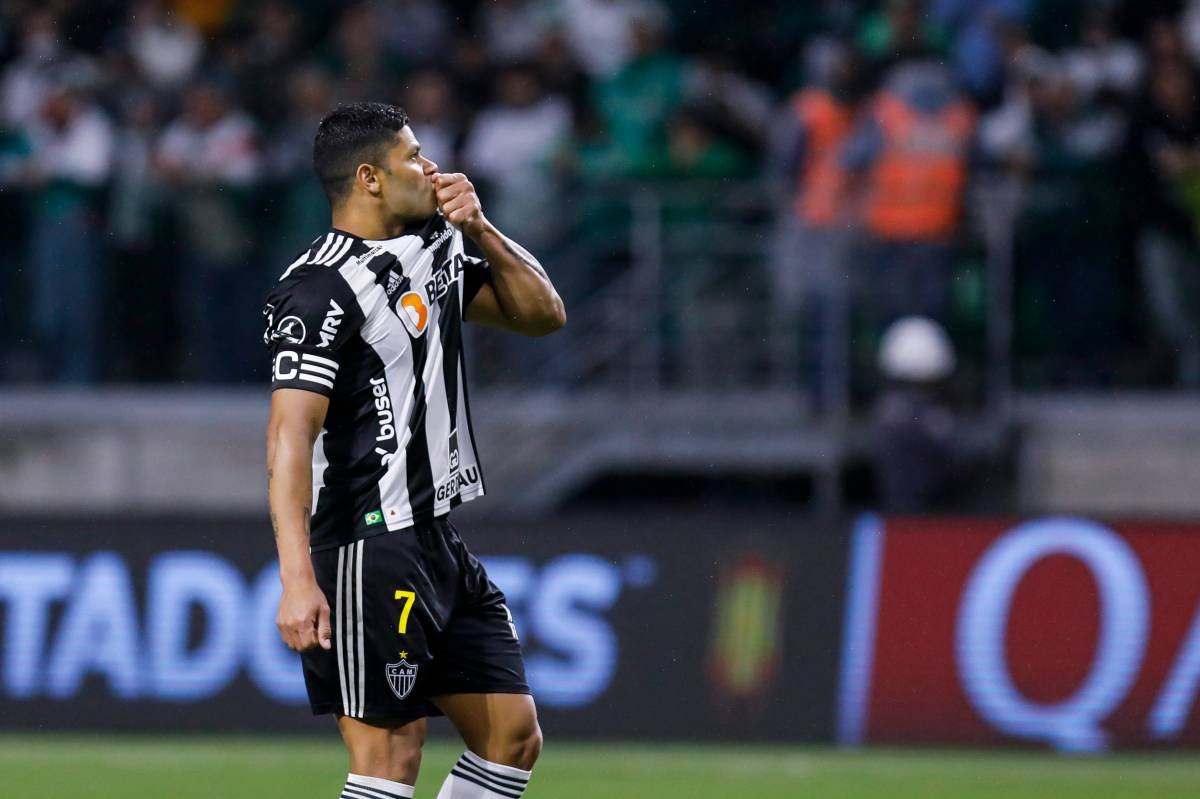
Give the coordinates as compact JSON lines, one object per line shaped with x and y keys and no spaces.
{"x":502,"y":728}
{"x":379,"y":748}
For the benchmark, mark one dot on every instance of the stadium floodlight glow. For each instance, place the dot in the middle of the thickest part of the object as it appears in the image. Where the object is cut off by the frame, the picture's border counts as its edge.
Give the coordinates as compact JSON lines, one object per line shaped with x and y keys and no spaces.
{"x":1074,"y":723}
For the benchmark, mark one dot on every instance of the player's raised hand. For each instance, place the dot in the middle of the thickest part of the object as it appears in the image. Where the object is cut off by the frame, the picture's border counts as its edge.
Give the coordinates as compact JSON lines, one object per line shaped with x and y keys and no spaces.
{"x":303,"y":618}
{"x":459,"y":203}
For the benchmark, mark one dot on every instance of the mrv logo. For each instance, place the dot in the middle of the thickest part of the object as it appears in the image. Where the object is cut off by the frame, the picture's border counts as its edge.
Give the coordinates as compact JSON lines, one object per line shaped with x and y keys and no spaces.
{"x":329,"y":328}
{"x":195,"y":624}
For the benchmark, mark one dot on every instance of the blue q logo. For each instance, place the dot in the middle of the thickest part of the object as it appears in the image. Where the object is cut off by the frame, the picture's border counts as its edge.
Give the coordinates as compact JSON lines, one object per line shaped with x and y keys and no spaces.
{"x":1074,"y":723}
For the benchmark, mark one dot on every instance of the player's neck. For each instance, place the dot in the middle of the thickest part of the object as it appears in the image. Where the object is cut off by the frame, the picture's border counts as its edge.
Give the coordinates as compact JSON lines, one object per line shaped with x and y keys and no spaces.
{"x":368,"y":226}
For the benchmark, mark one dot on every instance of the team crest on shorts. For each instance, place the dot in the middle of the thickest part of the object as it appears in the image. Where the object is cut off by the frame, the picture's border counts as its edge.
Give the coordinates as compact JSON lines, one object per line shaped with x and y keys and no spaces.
{"x":401,"y":677}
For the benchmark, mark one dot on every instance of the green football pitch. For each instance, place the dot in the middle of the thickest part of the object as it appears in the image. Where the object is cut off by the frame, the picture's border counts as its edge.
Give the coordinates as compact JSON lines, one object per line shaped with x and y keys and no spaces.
{"x":112,"y":766}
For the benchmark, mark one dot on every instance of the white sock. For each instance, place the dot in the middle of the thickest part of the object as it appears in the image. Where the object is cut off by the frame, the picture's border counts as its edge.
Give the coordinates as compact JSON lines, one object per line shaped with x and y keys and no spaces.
{"x":360,"y":787}
{"x":475,"y":778}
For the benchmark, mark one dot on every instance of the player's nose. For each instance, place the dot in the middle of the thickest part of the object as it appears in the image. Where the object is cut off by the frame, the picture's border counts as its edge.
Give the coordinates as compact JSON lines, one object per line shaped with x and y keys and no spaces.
{"x":431,"y":166}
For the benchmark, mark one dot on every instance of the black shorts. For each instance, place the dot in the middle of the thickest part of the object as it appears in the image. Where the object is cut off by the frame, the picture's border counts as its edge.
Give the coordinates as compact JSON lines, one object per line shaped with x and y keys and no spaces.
{"x":414,"y":616}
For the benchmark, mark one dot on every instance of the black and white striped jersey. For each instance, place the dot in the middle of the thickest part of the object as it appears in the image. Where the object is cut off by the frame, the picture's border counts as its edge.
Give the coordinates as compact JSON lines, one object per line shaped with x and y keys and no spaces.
{"x":376,"y":326}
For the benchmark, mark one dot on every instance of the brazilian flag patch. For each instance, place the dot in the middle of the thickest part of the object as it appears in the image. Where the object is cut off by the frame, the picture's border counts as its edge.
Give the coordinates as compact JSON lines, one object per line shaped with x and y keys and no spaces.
{"x":374,"y":517}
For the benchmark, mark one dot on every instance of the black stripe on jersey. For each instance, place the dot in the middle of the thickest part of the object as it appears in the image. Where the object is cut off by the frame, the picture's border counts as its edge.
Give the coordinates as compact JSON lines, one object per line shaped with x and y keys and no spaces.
{"x":462,"y":359}
{"x":351,"y":440}
{"x":451,"y":330}
{"x":420,"y":470}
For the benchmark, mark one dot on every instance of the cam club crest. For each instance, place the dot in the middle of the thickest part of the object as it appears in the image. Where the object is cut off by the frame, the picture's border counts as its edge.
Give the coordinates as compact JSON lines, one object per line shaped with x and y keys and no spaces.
{"x":401,"y":677}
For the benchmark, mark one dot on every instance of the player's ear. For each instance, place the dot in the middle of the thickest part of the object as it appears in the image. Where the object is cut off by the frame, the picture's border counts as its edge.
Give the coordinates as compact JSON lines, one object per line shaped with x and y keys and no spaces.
{"x":368,"y":177}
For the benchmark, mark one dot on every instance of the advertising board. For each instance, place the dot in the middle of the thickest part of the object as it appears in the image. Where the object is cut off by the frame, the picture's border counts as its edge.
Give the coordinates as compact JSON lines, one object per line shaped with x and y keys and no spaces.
{"x":685,"y":626}
{"x":1057,"y":631}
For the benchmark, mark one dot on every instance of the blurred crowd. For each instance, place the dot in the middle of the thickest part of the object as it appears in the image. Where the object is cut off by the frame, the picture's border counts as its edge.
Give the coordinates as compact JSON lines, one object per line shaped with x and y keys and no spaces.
{"x":155,"y":155}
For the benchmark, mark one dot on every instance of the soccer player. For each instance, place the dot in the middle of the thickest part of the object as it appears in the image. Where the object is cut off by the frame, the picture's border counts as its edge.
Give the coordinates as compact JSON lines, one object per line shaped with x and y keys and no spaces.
{"x":369,"y":446}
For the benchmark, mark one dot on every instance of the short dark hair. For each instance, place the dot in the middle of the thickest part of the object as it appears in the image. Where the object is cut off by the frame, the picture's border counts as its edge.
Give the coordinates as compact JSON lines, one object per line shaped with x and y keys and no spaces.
{"x":352,"y":135}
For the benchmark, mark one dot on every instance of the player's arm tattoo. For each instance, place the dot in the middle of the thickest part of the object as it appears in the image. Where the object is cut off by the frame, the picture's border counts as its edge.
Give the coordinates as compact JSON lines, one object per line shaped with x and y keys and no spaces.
{"x":306,"y":511}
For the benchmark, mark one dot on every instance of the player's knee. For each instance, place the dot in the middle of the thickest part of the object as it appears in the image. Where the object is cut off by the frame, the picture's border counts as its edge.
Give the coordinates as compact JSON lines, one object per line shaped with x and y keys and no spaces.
{"x":393,"y":755}
{"x":525,"y":747}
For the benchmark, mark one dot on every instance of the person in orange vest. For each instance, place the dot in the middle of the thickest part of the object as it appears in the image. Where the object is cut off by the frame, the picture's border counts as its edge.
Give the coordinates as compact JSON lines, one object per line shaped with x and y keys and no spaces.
{"x":913,"y":152}
{"x":817,"y":122}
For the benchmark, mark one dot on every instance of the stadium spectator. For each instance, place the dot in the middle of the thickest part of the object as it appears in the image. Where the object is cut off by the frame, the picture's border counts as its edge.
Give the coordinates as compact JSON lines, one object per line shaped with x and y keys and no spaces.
{"x":637,"y":102}
{"x":142,"y":299}
{"x":1165,"y":149}
{"x":27,"y":78}
{"x":511,"y":145}
{"x":358,"y":56}
{"x":287,"y":159}
{"x":18,"y":360}
{"x":263,"y":59}
{"x":513,"y":30}
{"x":696,"y":149}
{"x":415,"y":32}
{"x":1103,"y":64}
{"x":209,"y":159}
{"x":913,"y":149}
{"x":70,"y":160}
{"x":816,"y":124}
{"x":165,"y":48}
{"x":603,"y":33}
{"x":977,"y":31}
{"x":900,"y":31}
{"x":743,"y":107}
{"x":1068,"y":278}
{"x":916,"y":454}
{"x":654,"y":90}
{"x":429,"y":100}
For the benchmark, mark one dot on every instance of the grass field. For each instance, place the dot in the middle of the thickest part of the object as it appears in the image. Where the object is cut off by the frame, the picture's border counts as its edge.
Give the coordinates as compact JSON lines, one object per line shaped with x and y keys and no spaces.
{"x":108,"y":767}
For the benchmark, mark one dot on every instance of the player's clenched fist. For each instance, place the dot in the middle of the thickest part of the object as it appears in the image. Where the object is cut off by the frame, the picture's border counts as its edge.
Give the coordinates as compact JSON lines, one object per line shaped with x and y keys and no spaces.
{"x":459,"y":203}
{"x":303,"y":619}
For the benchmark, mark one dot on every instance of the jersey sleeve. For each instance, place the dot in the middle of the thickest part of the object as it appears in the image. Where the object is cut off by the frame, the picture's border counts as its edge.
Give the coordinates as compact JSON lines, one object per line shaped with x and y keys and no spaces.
{"x":476,"y":272}
{"x":309,"y":319}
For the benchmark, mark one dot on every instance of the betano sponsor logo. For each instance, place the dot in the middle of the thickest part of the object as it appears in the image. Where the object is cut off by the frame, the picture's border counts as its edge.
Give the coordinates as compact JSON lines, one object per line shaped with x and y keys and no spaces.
{"x":447,"y":275}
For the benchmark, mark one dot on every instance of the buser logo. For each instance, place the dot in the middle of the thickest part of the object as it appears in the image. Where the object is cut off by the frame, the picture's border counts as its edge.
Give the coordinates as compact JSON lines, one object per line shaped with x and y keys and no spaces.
{"x":329,"y":327}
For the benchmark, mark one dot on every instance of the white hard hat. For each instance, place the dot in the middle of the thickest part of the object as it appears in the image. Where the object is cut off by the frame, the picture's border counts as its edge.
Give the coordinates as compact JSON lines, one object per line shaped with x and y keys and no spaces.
{"x":916,"y":349}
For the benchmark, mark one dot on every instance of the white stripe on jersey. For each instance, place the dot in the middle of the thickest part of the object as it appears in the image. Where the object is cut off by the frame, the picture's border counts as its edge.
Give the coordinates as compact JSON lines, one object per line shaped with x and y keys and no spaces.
{"x":316,"y":369}
{"x":393,"y":487}
{"x":437,"y":411}
{"x":319,"y":464}
{"x":337,"y":252}
{"x":319,"y":360}
{"x":293,"y":266}
{"x":320,"y":370}
{"x":320,"y":381}
{"x":329,"y":238}
{"x":385,"y":334}
{"x":467,"y":456}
